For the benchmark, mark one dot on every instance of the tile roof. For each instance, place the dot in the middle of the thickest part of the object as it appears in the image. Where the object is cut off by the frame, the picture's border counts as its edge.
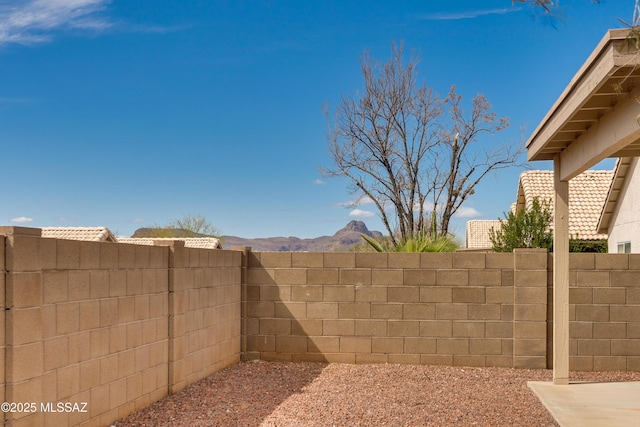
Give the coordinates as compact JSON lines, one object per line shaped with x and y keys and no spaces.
{"x":103,"y":234}
{"x":189,"y":242}
{"x":477,"y":233}
{"x":587,"y":194}
{"x":93,"y":234}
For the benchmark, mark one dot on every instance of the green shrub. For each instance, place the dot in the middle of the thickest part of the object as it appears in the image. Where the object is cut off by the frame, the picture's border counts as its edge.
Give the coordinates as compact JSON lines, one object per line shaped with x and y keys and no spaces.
{"x":598,"y":246}
{"x":529,"y":228}
{"x":418,"y":243}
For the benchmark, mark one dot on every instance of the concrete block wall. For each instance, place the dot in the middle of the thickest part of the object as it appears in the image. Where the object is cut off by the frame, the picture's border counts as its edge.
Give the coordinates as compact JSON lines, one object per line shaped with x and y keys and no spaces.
{"x":96,"y":322}
{"x":604,"y":312}
{"x":531,"y":339}
{"x":2,"y":321}
{"x":120,"y":326}
{"x":473,"y":309}
{"x":204,"y":322}
{"x":430,"y":308}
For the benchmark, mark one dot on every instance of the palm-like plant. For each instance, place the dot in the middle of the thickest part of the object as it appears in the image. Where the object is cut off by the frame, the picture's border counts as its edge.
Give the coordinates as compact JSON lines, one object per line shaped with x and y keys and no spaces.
{"x":418,"y":243}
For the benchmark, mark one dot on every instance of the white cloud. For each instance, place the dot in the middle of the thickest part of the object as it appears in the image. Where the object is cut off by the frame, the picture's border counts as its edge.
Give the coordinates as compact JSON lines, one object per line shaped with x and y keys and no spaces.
{"x":359,"y":213}
{"x":365,"y":200}
{"x":362,"y":200}
{"x":21,"y":219}
{"x":318,"y":182}
{"x":468,"y":14}
{"x":467,"y":213}
{"x":137,"y":220}
{"x":32,"y":21}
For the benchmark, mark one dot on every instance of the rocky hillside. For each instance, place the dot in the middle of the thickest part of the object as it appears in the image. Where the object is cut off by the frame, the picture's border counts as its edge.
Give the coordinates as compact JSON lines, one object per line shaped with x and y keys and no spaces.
{"x":342,"y":240}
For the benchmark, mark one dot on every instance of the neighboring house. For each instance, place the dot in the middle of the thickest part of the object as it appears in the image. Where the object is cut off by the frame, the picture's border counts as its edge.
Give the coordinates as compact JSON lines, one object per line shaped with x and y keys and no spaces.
{"x":620,"y":217}
{"x":189,"y":242}
{"x":92,"y":234}
{"x":103,"y":234}
{"x":478,"y":232}
{"x":587,"y":194}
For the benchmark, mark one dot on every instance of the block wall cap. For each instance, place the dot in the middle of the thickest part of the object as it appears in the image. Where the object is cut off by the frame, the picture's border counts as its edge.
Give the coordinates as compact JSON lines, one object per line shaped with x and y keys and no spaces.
{"x":22,"y":231}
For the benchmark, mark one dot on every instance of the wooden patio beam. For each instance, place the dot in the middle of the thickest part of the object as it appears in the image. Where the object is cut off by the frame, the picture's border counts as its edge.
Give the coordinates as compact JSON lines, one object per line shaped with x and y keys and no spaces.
{"x":613,"y":132}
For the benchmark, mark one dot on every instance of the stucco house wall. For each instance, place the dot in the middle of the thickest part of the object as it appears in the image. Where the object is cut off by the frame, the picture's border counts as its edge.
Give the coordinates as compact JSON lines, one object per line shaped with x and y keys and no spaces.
{"x":624,"y":226}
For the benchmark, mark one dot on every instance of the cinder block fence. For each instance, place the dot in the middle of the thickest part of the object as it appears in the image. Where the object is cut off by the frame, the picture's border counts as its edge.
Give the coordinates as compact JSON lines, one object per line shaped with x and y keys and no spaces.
{"x":119,"y":326}
{"x":109,"y":327}
{"x":468,"y":309}
{"x":463,"y":308}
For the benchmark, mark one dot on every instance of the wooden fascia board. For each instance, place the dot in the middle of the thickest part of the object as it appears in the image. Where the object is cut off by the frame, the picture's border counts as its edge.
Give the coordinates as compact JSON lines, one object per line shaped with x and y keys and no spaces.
{"x":613,"y":132}
{"x":609,"y":203}
{"x":617,"y":183}
{"x":570,"y":103}
{"x":590,"y":76}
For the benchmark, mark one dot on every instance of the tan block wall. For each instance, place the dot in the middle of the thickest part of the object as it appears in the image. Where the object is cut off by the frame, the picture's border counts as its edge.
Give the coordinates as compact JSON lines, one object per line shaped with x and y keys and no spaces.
{"x":530,"y":314}
{"x":204,"y":324}
{"x":604,"y":312}
{"x":114,"y":325}
{"x":477,"y":309}
{"x":2,"y":321}
{"x":120,"y":326}
{"x":454,"y":308}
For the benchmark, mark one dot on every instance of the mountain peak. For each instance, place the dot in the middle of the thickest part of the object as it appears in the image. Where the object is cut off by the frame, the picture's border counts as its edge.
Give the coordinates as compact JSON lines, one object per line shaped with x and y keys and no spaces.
{"x":342,"y":240}
{"x":355,"y":227}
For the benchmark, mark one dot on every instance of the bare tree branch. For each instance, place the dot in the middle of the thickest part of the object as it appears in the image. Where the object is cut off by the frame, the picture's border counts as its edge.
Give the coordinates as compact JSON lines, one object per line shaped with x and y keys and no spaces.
{"x":396,"y":146}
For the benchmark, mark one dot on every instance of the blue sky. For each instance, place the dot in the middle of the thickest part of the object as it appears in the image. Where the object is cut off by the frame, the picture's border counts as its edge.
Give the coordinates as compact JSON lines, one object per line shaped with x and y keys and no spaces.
{"x":132,"y":113}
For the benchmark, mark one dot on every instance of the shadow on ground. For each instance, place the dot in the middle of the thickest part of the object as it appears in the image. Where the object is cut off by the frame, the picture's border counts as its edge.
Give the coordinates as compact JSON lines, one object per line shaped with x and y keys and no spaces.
{"x":229,"y":397}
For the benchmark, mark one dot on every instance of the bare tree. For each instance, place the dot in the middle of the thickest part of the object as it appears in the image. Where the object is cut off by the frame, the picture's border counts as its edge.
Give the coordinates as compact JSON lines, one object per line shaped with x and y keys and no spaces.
{"x":548,"y":7}
{"x":550,"y":11}
{"x":195,"y":225}
{"x":468,"y":164}
{"x":187,"y":226}
{"x":398,"y":150}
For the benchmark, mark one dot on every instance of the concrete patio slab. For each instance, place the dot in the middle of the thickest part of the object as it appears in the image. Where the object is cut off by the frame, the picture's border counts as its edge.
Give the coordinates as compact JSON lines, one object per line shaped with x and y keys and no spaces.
{"x":582,"y":404}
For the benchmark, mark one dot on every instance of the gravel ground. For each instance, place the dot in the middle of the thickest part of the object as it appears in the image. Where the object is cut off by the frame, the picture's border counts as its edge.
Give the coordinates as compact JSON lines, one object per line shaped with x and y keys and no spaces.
{"x":314,"y":394}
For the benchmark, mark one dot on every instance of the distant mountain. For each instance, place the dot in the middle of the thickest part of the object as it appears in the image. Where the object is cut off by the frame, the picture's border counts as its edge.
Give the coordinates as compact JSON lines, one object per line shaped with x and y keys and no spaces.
{"x":342,"y":240}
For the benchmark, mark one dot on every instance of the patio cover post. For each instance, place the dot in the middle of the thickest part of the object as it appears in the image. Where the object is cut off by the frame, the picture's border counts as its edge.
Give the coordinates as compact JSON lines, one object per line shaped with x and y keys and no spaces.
{"x":597,"y":116}
{"x":560,"y":277}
